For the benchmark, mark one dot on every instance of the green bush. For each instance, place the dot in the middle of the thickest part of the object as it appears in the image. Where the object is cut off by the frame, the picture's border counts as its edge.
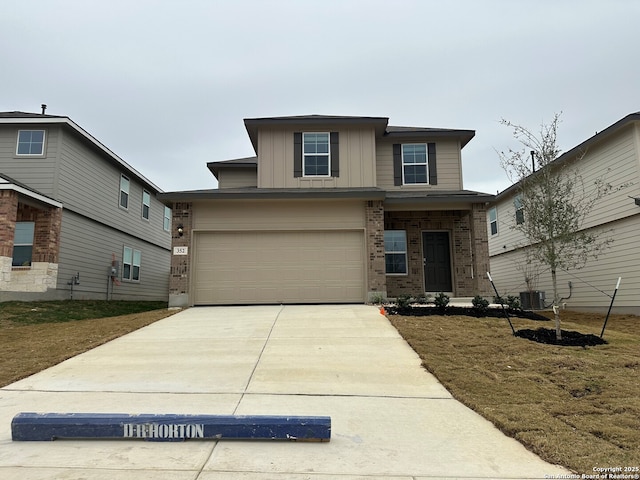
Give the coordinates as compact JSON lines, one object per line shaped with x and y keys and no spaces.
{"x":403,"y":301}
{"x":441,"y":301}
{"x":480,"y":304}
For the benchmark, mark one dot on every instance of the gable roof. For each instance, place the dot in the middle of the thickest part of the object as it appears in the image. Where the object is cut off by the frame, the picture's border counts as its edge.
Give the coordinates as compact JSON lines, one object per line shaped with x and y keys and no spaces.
{"x":581,"y":148}
{"x":8,"y":183}
{"x":27,"y":118}
{"x":380,"y":125}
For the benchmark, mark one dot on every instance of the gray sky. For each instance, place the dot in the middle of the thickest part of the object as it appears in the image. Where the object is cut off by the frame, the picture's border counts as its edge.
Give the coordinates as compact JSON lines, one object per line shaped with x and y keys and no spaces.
{"x":166,"y":84}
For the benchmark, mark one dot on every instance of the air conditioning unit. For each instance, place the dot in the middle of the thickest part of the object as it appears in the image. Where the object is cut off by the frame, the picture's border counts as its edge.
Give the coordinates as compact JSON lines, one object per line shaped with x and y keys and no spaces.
{"x":533,"y":300}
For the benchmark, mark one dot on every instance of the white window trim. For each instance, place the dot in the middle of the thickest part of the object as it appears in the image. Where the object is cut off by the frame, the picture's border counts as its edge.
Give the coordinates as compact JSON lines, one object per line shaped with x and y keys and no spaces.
{"x":166,"y":220}
{"x":44,"y":143}
{"x":120,"y":190}
{"x":426,"y":163}
{"x":132,"y":264}
{"x":304,"y":155}
{"x":494,"y":209}
{"x":406,"y":257}
{"x":148,"y":205}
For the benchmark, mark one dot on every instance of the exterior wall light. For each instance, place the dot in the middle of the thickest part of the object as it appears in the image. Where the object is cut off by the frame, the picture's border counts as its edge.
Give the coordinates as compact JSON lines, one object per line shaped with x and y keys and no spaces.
{"x":180,"y":230}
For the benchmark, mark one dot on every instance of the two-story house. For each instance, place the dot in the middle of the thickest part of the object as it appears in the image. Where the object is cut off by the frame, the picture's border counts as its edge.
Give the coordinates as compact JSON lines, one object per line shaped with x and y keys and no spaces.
{"x":76,"y":221}
{"x":331,"y":209}
{"x":613,"y":155}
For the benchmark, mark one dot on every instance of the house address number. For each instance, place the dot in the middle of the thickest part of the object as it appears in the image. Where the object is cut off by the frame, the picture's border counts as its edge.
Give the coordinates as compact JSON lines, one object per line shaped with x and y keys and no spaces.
{"x":180,"y":250}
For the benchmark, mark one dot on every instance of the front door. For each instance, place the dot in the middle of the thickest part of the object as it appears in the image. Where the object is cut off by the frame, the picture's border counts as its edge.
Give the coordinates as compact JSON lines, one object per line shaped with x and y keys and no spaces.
{"x":437,"y":262}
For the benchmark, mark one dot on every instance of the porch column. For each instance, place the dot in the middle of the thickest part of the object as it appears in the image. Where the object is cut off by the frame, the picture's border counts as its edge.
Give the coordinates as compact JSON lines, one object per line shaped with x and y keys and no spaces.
{"x":46,"y":241}
{"x":8,"y":216}
{"x":179,"y":276}
{"x":480,"y":242}
{"x":376,"y":277}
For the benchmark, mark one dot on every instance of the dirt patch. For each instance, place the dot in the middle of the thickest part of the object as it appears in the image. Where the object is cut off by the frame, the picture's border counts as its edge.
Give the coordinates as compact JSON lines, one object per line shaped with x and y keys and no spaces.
{"x":569,"y":337}
{"x":26,"y":349}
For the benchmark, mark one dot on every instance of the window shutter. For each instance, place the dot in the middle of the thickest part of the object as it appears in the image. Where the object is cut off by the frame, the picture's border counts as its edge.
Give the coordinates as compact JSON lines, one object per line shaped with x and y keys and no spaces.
{"x":397,"y":164}
{"x":335,"y":154}
{"x":297,"y":154}
{"x":433,"y":168}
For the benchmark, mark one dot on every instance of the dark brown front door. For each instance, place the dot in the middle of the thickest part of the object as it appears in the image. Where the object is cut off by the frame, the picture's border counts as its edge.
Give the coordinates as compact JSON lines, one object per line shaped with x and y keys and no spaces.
{"x":437,"y":262}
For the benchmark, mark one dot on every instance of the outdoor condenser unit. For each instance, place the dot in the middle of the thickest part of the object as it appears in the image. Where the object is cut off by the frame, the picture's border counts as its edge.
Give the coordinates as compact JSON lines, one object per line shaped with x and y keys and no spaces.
{"x":533,"y":300}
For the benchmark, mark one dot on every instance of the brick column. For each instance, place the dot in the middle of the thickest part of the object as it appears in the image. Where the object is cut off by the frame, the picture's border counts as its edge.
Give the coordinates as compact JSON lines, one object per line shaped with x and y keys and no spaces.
{"x":377,"y":280}
{"x":46,"y":237}
{"x":480,"y":242}
{"x":179,"y":276}
{"x":8,"y":216}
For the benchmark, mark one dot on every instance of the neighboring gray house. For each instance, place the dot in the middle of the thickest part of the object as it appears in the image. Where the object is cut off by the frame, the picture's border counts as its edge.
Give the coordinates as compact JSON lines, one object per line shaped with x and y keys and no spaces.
{"x":613,"y":154}
{"x":75,"y":219}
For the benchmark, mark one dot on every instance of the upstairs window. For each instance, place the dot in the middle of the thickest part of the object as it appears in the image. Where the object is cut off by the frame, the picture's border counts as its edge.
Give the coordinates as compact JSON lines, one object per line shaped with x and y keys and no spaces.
{"x":23,"y":244}
{"x":146,"y":204}
{"x":519,"y":206}
{"x":395,"y":252}
{"x":414,"y":164}
{"x":493,"y":221}
{"x":167,"y":219}
{"x":316,"y":155}
{"x":124,"y":192}
{"x":30,"y":142}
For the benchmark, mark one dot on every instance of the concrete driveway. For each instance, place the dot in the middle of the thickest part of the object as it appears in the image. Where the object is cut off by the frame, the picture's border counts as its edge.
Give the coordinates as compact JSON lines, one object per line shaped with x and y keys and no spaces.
{"x":390,"y":418}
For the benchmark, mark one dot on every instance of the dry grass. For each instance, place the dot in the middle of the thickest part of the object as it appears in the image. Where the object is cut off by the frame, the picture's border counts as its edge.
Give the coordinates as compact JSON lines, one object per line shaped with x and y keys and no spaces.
{"x":573,"y":406}
{"x":27,"y":348}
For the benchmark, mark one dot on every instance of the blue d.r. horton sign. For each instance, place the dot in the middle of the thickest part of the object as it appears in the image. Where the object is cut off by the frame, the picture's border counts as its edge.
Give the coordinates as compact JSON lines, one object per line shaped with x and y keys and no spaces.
{"x":168,"y":427}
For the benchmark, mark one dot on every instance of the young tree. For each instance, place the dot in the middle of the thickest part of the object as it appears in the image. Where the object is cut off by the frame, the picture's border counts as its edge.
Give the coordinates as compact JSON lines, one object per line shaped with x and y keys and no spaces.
{"x":553,"y":204}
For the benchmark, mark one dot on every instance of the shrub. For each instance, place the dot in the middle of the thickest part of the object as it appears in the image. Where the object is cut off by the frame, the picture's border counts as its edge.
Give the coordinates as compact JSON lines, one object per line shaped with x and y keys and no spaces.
{"x":377,"y":299}
{"x":403,"y":301}
{"x":441,"y":301}
{"x":514,"y":302}
{"x":480,"y":305}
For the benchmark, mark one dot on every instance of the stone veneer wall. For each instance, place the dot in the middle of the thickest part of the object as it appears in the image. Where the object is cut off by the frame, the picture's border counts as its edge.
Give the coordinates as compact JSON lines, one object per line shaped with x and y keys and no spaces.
{"x":467,"y":256}
{"x":376,"y":278}
{"x":179,"y":276}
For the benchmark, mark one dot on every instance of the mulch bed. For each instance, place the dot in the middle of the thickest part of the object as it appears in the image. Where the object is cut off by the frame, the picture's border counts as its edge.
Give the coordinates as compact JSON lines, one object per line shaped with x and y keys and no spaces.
{"x":540,"y":335}
{"x":569,"y":338}
{"x":422,"y":311}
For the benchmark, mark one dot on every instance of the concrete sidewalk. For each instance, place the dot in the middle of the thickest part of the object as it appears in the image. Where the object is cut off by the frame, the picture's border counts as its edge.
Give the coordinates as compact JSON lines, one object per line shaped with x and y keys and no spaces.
{"x":390,"y":418}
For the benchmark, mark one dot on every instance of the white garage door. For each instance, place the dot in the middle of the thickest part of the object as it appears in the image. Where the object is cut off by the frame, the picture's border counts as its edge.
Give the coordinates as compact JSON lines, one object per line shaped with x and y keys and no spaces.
{"x":279,"y":267}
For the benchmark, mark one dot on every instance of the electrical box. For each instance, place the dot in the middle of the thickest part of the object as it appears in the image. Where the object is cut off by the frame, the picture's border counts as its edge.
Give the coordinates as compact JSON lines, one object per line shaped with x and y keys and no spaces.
{"x":114,"y":270}
{"x":533,"y":300}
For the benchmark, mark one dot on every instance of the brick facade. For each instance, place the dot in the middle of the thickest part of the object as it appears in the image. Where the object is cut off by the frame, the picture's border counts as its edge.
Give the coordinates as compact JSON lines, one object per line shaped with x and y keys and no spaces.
{"x":376,"y":278}
{"x":467,"y":255}
{"x":8,"y":215}
{"x":42,"y":274}
{"x":179,"y":276}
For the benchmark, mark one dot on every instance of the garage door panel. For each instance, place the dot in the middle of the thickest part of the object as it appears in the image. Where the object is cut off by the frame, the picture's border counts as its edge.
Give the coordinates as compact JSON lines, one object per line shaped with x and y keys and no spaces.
{"x":274,"y":267}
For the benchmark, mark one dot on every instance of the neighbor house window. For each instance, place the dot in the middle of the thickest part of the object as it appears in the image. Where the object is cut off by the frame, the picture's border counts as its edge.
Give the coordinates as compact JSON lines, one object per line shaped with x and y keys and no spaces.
{"x":30,"y":142}
{"x":493,"y":220}
{"x":131,"y":264}
{"x":315,"y":155}
{"x":414,"y":164}
{"x":395,"y":251}
{"x":124,"y":192}
{"x":519,"y":206}
{"x":146,"y":204}
{"x":23,"y":244}
{"x":167,"y":219}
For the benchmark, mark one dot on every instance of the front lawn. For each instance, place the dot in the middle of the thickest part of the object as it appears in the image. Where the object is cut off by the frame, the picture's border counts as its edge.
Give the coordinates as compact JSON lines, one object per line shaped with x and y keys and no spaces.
{"x":573,"y":406}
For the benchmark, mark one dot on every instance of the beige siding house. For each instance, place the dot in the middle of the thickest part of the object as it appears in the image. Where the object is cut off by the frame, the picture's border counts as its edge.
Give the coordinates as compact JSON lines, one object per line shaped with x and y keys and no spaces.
{"x":71,"y":211}
{"x":331,"y":209}
{"x":613,"y":154}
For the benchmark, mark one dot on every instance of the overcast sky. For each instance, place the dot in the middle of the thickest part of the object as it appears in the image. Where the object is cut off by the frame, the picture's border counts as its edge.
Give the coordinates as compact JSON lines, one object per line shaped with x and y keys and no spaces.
{"x":166,"y":84}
